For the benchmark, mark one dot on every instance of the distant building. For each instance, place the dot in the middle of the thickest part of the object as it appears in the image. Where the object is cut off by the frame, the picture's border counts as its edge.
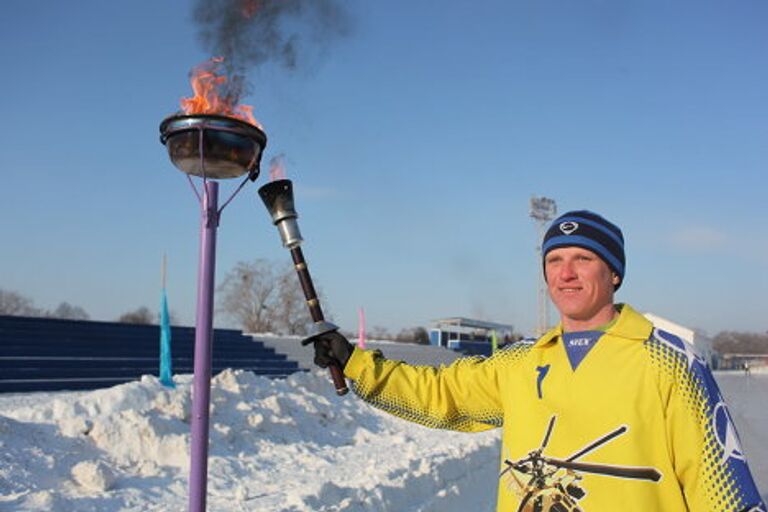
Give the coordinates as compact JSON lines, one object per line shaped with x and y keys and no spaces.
{"x":745,"y":362}
{"x":458,"y":331}
{"x":702,"y":343}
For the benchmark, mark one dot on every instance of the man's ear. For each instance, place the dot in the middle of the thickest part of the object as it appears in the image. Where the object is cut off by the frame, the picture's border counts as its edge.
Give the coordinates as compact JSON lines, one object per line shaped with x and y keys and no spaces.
{"x":615,"y":279}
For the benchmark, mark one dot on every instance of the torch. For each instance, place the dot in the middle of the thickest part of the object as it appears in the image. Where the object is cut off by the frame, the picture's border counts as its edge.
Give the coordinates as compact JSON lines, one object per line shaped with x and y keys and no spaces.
{"x":278,"y":198}
{"x":212,"y":147}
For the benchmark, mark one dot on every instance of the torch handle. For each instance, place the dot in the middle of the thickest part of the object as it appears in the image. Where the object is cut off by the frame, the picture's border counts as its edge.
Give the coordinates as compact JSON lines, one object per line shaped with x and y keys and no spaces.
{"x":316,"y":311}
{"x":306,"y":285}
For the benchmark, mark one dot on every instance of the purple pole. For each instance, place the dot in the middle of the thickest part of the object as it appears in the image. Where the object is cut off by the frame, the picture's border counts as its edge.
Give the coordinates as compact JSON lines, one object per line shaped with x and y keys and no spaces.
{"x":201,"y":390}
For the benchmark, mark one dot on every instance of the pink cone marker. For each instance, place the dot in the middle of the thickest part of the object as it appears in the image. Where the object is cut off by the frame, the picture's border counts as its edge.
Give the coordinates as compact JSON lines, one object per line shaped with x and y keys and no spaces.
{"x":361,"y":328}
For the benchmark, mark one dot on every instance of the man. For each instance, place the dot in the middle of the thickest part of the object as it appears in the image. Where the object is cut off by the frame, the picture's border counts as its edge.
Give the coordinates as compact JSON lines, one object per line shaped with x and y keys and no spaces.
{"x":602,"y":412}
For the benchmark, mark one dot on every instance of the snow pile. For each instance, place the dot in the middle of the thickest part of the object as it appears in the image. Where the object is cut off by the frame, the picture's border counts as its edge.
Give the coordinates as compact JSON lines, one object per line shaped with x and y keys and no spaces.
{"x":288,"y":444}
{"x":276,"y":445}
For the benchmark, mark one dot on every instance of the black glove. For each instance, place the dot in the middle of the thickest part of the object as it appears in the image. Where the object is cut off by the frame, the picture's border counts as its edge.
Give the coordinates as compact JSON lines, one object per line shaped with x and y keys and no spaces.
{"x":330,"y":348}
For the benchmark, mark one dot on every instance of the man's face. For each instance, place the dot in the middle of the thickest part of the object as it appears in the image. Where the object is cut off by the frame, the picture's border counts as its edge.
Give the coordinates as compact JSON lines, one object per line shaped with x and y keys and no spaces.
{"x":581,"y":287}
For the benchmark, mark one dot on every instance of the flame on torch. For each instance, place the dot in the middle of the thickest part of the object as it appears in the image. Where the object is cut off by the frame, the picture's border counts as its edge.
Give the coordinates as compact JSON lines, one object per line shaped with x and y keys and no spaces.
{"x":277,"y":168}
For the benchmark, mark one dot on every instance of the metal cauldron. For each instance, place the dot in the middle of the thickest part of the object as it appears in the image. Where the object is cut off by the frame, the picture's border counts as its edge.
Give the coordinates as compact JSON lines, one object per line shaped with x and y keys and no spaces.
{"x":213,"y":146}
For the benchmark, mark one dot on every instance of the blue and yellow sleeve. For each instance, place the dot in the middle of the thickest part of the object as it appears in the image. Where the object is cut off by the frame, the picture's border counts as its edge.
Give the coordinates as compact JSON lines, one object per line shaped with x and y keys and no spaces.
{"x":709,"y":461}
{"x":463,"y":396}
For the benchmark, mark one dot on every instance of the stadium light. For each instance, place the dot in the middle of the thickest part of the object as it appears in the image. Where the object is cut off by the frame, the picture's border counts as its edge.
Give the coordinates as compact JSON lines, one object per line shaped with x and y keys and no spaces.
{"x":543,"y":210}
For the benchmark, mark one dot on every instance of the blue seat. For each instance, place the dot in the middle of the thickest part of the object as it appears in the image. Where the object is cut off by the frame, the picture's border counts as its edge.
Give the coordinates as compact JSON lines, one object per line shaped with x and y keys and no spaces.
{"x":47,"y":354}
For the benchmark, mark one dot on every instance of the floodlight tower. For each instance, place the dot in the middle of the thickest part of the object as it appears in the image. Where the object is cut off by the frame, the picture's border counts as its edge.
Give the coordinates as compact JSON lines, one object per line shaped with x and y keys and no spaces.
{"x":543,"y":210}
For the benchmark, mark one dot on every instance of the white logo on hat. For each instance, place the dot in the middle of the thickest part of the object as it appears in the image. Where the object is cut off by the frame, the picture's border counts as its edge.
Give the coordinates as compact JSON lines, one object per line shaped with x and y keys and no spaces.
{"x":569,"y":227}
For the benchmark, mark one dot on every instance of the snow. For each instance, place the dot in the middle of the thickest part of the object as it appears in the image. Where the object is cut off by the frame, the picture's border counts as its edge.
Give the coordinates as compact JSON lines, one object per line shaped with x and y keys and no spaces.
{"x":288,"y":444}
{"x":276,"y":445}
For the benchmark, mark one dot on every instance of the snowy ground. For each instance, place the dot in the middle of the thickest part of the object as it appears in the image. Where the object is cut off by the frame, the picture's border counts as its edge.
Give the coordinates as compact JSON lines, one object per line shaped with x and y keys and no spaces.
{"x":276,"y":445}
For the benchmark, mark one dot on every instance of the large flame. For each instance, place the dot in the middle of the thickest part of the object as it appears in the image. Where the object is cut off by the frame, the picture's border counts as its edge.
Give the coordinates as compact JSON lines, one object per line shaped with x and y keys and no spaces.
{"x":215,"y":93}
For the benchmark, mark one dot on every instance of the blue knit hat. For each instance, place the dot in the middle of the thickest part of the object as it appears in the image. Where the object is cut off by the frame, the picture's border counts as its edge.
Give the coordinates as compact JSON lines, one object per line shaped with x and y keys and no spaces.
{"x":588,"y":230}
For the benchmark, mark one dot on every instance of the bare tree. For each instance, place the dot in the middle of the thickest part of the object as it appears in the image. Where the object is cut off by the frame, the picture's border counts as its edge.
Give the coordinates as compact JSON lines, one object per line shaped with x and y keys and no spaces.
{"x":378,"y":332}
{"x":264,"y":296}
{"x":141,"y":315}
{"x":15,"y":304}
{"x":417,"y":335}
{"x":68,"y":311}
{"x":245,"y":295}
{"x":741,"y":342}
{"x":291,"y":313}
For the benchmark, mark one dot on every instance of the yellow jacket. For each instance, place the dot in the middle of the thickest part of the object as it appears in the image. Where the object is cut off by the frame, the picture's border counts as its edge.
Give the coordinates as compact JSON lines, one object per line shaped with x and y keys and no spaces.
{"x":639,"y":424}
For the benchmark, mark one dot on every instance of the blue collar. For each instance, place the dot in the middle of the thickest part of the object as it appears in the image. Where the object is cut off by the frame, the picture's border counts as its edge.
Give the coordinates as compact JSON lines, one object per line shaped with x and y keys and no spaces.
{"x":578,"y":344}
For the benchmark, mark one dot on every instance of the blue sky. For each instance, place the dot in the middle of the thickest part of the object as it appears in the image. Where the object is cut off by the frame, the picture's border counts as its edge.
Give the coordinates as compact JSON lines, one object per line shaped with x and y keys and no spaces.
{"x":414,"y":143}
